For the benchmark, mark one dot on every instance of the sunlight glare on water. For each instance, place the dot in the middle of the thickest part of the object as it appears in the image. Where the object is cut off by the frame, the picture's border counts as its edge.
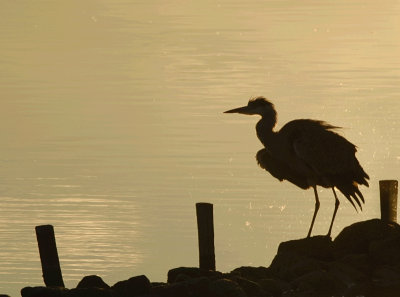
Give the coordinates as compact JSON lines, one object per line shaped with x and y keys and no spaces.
{"x":112,"y":126}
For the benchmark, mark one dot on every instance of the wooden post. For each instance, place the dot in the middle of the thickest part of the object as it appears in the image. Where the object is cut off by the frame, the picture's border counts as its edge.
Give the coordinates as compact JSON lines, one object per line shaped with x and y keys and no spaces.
{"x":48,"y":256}
{"x":388,"y":194}
{"x":205,"y":227}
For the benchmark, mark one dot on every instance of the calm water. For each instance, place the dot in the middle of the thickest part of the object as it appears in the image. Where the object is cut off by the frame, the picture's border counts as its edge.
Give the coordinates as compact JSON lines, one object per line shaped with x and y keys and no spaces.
{"x":112,"y":126}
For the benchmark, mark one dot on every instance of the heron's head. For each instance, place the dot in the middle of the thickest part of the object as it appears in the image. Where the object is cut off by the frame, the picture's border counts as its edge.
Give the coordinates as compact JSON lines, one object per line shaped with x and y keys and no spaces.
{"x":259,"y":105}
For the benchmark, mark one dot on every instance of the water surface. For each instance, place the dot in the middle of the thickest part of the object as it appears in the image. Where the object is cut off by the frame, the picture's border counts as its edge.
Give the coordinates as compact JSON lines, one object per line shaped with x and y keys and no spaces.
{"x":112,"y":126}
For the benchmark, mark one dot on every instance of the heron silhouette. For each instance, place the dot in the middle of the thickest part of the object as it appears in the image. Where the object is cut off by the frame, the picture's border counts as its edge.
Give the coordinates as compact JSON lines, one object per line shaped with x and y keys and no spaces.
{"x":307,"y":153}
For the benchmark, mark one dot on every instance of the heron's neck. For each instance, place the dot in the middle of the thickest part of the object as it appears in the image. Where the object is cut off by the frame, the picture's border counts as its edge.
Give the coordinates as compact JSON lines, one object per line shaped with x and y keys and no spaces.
{"x":265,"y":132}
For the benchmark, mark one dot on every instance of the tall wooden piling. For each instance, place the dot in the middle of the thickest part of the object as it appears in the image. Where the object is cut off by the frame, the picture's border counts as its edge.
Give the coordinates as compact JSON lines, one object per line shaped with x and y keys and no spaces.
{"x":388,"y":194}
{"x":48,"y":256}
{"x":205,"y":227}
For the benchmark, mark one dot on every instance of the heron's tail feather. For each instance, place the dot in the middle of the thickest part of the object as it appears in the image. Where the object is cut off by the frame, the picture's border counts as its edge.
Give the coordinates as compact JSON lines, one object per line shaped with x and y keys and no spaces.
{"x":353,"y":194}
{"x":359,"y":194}
{"x":351,"y":201}
{"x":360,"y":176}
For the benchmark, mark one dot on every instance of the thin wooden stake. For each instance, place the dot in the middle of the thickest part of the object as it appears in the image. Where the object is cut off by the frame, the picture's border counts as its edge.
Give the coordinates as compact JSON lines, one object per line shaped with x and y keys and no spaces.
{"x":388,"y":194}
{"x":205,"y":227}
{"x":48,"y":256}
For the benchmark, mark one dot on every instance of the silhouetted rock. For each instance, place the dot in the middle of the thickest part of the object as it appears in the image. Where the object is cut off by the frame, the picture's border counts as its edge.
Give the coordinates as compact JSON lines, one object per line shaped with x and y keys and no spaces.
{"x":226,"y":288}
{"x":253,"y":273}
{"x":385,"y":251}
{"x":320,"y":282}
{"x":359,"y":262}
{"x":356,"y":238}
{"x":299,"y":257}
{"x":318,"y":247}
{"x":43,"y":292}
{"x":90,"y":292}
{"x":364,"y":260}
{"x":355,"y":257}
{"x":92,"y":281}
{"x":273,"y":286}
{"x":171,"y":290}
{"x":184,"y":273}
{"x":386,"y":276}
{"x":135,"y":286}
{"x":198,"y":286}
{"x":392,"y":290}
{"x":291,"y":266}
{"x":346,"y":274}
{"x":251,"y":288}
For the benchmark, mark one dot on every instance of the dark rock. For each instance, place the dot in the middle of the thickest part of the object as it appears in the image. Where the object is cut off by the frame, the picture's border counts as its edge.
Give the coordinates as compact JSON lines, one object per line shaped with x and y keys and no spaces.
{"x":199,"y":286}
{"x":364,"y":260}
{"x":135,"y":286}
{"x":385,"y":251}
{"x":356,"y":238}
{"x":293,"y":293}
{"x":253,"y":273}
{"x":189,"y":272}
{"x":156,"y":284}
{"x":317,"y":247}
{"x":273,"y":286}
{"x":289,"y":266}
{"x":321,"y":283}
{"x":184,"y":273}
{"x":359,"y":290}
{"x":90,"y":292}
{"x":251,"y":288}
{"x":171,"y":290}
{"x":194,"y":287}
{"x":299,"y":257}
{"x":386,"y":275}
{"x":346,"y":274}
{"x":4,"y":295}
{"x":225,"y":288}
{"x":385,"y":290}
{"x":359,"y":262}
{"x":43,"y":292}
{"x":92,"y":281}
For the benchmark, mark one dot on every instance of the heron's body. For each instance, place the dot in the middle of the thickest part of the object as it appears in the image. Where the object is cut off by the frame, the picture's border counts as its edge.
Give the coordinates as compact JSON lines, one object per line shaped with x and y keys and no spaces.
{"x":307,"y":153}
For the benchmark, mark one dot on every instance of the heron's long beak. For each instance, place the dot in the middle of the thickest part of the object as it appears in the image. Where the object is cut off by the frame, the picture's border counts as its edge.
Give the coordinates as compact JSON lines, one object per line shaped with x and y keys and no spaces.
{"x":242,"y":110}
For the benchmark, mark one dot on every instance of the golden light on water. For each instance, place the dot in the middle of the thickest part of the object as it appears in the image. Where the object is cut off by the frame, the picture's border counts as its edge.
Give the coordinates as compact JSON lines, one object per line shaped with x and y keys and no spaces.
{"x":112,"y":126}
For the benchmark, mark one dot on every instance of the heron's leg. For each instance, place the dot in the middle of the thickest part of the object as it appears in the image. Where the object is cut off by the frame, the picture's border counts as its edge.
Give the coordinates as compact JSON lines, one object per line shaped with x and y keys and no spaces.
{"x":315,"y":210}
{"x":337,"y":202}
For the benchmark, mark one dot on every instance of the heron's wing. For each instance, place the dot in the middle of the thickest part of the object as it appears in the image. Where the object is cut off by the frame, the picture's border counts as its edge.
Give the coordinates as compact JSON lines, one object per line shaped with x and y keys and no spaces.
{"x":324,"y":151}
{"x":330,"y":157}
{"x":279,"y":169}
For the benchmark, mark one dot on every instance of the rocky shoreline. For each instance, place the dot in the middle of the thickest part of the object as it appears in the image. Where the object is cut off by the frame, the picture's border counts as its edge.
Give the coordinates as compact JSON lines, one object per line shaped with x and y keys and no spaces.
{"x":363,"y":260}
